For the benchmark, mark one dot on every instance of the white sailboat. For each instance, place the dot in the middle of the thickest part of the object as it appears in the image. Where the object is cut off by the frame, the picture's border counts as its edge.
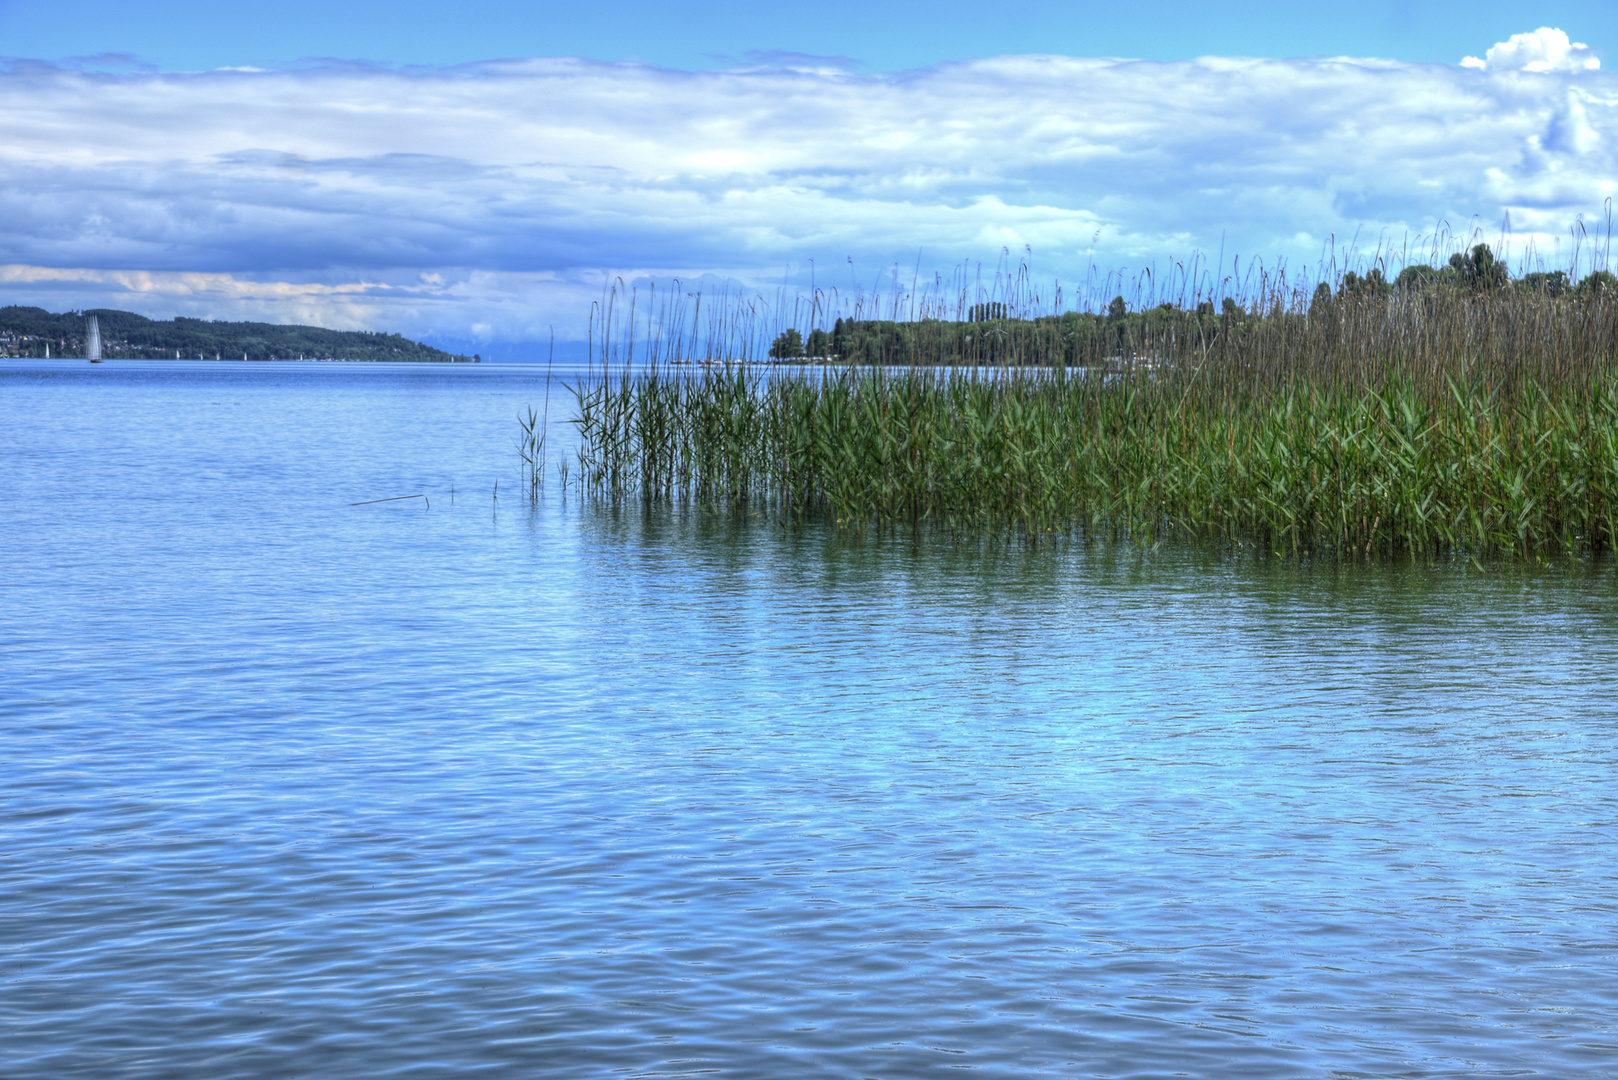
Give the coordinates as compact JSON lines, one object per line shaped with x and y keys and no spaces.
{"x":92,"y":340}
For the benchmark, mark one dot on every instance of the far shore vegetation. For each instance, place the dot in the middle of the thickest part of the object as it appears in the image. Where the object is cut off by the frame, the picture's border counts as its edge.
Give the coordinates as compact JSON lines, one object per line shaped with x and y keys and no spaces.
{"x":1447,"y":411}
{"x":35,"y":332}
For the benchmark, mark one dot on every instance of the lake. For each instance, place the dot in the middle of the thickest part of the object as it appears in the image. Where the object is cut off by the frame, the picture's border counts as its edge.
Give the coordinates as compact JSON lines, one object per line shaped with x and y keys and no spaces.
{"x":467,"y":785}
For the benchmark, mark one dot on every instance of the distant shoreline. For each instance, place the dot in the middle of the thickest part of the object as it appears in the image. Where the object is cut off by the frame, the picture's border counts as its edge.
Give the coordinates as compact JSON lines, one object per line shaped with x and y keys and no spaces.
{"x":253,"y":360}
{"x":32,"y":333}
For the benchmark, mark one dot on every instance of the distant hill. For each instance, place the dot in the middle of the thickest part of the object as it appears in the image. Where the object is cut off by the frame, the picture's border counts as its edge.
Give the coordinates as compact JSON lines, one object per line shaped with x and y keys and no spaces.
{"x":25,"y":331}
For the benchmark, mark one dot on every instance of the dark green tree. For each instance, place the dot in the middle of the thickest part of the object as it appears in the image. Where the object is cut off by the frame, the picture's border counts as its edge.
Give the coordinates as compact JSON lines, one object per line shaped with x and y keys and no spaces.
{"x":1478,"y":269}
{"x":1322,"y":299}
{"x":1117,"y":309}
{"x":787,"y":345}
{"x":1372,"y":284}
{"x":1417,"y":277}
{"x":1602,"y":282}
{"x":1554,"y":283}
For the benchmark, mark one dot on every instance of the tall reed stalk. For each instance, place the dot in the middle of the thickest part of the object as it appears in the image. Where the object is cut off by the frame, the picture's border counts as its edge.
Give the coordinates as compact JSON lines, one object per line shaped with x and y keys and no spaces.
{"x":1422,"y":422}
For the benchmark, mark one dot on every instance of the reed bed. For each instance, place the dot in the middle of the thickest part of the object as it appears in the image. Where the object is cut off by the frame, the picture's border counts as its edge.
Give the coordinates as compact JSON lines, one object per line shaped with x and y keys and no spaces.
{"x":1363,"y":422}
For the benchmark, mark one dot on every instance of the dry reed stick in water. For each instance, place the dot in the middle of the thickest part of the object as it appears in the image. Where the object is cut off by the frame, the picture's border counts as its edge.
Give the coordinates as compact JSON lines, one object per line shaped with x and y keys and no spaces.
{"x":395,"y":498}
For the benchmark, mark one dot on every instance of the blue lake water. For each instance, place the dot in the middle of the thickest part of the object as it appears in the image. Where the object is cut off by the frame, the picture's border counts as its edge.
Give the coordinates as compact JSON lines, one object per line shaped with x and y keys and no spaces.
{"x":293,"y":788}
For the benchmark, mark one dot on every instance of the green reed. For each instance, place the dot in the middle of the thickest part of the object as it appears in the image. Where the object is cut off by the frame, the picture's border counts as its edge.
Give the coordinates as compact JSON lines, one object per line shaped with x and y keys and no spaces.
{"x":1440,"y":423}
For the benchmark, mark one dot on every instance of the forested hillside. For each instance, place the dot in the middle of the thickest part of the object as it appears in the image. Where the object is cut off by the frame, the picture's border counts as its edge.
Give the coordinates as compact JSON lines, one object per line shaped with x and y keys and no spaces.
{"x":26,"y":331}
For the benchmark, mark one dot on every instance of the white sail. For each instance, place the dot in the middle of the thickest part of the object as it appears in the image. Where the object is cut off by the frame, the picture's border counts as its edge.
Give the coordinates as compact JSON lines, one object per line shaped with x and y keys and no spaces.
{"x":92,"y":339}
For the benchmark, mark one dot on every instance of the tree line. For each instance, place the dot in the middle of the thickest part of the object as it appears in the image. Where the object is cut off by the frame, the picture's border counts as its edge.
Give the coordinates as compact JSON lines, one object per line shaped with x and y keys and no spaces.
{"x":1472,"y":277}
{"x":27,"y":331}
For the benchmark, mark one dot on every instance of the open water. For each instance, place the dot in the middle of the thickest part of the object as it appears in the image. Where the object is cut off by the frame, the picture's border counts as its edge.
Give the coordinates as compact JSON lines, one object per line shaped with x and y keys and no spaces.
{"x":293,"y":788}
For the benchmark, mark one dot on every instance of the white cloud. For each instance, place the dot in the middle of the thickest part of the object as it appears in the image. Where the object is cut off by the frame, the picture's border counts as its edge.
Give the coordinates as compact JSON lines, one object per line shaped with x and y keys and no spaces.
{"x":502,"y":196}
{"x":352,"y":305}
{"x":1544,"y":50}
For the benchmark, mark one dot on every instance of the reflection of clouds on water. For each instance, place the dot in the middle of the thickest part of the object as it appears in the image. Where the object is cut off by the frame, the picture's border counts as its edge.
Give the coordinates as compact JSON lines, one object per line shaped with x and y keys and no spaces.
{"x":500,"y":193}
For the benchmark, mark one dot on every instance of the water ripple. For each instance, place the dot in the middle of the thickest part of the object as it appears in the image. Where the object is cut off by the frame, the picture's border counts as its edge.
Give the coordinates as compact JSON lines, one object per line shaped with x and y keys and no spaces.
{"x":294,"y":788}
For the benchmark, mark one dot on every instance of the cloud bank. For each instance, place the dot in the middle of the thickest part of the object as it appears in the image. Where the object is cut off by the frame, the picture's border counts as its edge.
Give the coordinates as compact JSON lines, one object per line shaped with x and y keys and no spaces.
{"x":490,"y":201}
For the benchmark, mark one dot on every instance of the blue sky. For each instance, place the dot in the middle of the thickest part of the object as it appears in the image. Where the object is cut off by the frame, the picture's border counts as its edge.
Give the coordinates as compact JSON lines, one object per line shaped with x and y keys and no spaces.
{"x":474,"y":174}
{"x":193,"y":34}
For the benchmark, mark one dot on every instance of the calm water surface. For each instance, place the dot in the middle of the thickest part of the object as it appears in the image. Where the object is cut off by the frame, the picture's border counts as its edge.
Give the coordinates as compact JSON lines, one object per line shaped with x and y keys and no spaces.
{"x":291,"y":788}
